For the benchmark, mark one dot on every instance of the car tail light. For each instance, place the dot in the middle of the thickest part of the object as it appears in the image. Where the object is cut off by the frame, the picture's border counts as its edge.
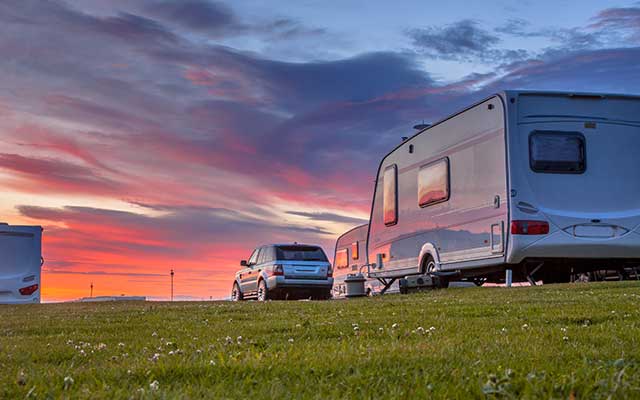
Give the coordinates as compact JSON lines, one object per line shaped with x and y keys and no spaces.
{"x":29,"y":290}
{"x":330,"y":272}
{"x":520,"y":227}
{"x":278,"y":270}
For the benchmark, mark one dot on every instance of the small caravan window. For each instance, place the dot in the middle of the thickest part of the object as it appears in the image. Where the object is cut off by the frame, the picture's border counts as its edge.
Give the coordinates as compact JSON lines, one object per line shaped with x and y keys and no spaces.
{"x":390,"y":195}
{"x":433,"y":183}
{"x":342,"y":259}
{"x":557,"y":152}
{"x":354,"y":251}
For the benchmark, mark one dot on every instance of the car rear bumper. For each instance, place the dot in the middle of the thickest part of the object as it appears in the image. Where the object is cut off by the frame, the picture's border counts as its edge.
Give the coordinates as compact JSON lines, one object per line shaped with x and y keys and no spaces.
{"x":280,"y":282}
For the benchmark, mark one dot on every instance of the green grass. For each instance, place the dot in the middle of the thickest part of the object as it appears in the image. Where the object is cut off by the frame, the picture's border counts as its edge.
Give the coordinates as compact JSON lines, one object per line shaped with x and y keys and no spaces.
{"x":557,"y":341}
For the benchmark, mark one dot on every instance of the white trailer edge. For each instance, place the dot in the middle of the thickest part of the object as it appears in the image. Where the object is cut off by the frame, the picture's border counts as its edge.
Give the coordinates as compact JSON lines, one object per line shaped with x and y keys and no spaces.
{"x":20,"y":264}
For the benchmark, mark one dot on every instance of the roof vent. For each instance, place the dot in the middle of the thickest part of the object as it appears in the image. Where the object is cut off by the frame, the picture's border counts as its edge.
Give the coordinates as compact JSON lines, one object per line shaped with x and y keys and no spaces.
{"x":421,"y":126}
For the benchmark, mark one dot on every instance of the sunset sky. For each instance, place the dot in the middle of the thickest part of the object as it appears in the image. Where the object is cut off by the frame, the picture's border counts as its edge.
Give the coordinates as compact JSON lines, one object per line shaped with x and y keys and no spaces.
{"x":149,"y":135}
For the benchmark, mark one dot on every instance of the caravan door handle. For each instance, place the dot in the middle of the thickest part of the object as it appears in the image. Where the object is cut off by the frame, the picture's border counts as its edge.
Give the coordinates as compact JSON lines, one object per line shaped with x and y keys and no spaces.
{"x":496,"y":201}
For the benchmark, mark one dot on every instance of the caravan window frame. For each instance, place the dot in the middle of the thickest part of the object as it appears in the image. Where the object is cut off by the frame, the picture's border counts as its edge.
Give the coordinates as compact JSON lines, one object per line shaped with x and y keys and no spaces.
{"x":344,"y":251}
{"x":582,"y":163}
{"x":447,"y":162}
{"x":394,"y":168}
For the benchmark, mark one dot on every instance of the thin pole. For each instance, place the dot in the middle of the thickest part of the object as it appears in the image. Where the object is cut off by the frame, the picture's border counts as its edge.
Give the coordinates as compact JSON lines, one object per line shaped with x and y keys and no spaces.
{"x":91,"y":295}
{"x":172,"y":273}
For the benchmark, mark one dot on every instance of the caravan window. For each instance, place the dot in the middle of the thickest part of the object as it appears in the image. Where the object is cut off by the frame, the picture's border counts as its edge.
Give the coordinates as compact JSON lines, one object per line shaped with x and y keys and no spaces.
{"x":557,"y":152}
{"x":390,"y":195}
{"x":433,"y":183}
{"x":355,"y":254}
{"x":342,"y":259}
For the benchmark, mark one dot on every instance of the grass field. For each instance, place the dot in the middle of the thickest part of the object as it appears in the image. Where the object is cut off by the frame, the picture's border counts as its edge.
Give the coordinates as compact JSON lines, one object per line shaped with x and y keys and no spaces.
{"x":560,"y":341}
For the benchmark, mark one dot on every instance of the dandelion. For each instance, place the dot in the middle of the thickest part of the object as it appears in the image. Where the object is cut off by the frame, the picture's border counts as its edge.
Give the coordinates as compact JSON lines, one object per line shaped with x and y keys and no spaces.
{"x":155,"y":385}
{"x":68,"y":381}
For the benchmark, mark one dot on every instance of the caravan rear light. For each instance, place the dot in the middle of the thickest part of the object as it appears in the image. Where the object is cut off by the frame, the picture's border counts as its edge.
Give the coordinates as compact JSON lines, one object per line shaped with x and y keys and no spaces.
{"x":29,"y":290}
{"x":520,"y":227}
{"x":278,"y":270}
{"x":330,"y":272}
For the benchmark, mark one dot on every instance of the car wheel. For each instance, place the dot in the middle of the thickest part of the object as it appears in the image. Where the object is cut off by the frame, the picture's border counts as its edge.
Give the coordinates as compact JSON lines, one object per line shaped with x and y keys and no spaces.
{"x":236,"y":293}
{"x":263,"y":292}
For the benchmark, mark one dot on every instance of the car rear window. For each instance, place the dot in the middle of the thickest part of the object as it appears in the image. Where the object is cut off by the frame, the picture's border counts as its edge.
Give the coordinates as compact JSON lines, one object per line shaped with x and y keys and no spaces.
{"x":557,"y":152}
{"x":300,"y":253}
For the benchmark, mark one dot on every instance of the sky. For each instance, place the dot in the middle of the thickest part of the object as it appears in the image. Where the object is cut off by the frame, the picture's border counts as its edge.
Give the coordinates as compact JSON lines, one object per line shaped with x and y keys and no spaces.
{"x":150,"y":135}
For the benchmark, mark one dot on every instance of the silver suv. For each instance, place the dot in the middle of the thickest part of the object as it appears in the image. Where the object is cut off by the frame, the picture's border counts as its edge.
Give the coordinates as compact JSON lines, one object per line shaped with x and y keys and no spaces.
{"x":284,"y":271}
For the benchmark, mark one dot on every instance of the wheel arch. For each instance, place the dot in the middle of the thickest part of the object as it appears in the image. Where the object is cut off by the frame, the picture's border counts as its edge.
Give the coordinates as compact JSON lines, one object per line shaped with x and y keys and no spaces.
{"x":428,"y":250}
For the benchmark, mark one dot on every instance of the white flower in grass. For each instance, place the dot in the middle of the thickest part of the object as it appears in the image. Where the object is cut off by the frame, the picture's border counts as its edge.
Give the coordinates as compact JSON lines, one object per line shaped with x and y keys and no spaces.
{"x":394,"y":326}
{"x":381,"y":329}
{"x":211,"y":362}
{"x":154,"y":334}
{"x":563,"y":329}
{"x":433,"y":328}
{"x":102,"y":346}
{"x":198,"y":351}
{"x":228,"y":340}
{"x":121,"y":345}
{"x":171,"y":353}
{"x":155,"y":357}
{"x":565,"y":338}
{"x":290,"y":340}
{"x":68,"y":381}
{"x":239,"y":339}
{"x":525,"y":326}
{"x":155,"y":385}
{"x":420,"y":329}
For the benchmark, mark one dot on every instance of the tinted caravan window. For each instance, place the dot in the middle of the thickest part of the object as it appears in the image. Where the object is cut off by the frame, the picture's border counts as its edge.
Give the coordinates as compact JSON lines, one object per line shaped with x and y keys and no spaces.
{"x":433,"y":183}
{"x":300,"y":253}
{"x":390,"y":195}
{"x":355,"y":254}
{"x":557,"y":152}
{"x":342,"y":259}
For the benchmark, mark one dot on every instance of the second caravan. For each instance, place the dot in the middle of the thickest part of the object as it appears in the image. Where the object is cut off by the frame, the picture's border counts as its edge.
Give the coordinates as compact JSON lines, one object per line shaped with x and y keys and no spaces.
{"x":543,"y":184}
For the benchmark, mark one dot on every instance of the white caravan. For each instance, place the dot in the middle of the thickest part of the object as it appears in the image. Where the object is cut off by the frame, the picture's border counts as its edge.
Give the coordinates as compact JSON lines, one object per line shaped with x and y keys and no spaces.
{"x":543,"y":184}
{"x":350,"y":258}
{"x":20,"y":264}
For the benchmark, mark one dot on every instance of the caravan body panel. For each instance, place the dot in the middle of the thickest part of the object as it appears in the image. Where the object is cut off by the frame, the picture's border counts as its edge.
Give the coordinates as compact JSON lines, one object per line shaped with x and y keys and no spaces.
{"x":451,"y":191}
{"x":593,"y":211}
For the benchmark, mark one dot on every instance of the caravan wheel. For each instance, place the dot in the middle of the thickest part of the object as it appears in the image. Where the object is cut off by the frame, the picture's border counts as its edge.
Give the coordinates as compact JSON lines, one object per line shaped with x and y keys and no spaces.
{"x":441,"y":282}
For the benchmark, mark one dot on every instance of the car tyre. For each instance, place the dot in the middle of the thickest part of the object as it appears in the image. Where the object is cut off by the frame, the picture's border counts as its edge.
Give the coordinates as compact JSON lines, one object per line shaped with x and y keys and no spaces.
{"x":263,"y":291}
{"x":236,"y":293}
